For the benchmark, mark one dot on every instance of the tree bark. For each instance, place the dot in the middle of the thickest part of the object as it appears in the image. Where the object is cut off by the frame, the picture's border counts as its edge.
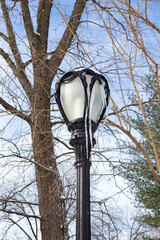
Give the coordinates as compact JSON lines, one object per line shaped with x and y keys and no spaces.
{"x":49,"y":186}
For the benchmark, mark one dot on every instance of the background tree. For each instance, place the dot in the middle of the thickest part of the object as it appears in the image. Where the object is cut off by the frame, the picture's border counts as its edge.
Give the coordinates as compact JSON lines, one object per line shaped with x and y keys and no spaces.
{"x":132,"y":52}
{"x":143,"y":184}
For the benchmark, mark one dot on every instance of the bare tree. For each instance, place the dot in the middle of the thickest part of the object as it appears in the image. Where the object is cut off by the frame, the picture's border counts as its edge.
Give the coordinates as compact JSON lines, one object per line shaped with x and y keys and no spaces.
{"x":132,"y":53}
{"x":36,"y":94}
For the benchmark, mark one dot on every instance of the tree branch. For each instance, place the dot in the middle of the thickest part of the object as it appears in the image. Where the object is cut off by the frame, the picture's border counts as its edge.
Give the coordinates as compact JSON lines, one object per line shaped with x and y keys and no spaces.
{"x":118,"y":22}
{"x":155,"y":173}
{"x":14,"y":201}
{"x":27,"y":21}
{"x":4,"y":36}
{"x":12,"y":43}
{"x":132,"y":105}
{"x":8,"y":60}
{"x":22,"y":229}
{"x":14,"y":111}
{"x":19,"y":214}
{"x":44,"y":10}
{"x":138,"y":15}
{"x":68,"y":35}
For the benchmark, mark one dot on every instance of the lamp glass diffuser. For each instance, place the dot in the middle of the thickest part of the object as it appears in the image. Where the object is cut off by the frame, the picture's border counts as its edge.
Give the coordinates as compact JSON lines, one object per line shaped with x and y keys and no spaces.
{"x":73,"y":96}
{"x":97,"y":99}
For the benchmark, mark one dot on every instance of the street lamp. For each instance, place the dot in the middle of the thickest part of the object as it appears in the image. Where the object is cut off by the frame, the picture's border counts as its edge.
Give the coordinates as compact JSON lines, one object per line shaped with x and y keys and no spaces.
{"x":82,"y":96}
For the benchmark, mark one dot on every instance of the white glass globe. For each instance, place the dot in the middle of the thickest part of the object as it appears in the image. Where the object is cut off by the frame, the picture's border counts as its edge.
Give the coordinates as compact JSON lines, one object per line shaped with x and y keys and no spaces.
{"x":72,"y":97}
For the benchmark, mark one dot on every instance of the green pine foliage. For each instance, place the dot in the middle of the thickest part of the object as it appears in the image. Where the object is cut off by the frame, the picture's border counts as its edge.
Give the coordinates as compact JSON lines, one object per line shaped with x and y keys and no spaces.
{"x":144,"y":185}
{"x":150,"y":238}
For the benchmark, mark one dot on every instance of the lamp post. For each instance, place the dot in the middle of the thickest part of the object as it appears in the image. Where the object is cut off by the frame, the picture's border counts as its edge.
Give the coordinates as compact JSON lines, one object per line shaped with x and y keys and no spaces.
{"x":82,"y":96}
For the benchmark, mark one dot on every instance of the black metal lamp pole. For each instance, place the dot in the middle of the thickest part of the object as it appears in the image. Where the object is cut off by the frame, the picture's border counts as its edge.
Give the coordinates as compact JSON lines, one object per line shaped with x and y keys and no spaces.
{"x":82,"y":96}
{"x":82,"y":164}
{"x":83,"y":225}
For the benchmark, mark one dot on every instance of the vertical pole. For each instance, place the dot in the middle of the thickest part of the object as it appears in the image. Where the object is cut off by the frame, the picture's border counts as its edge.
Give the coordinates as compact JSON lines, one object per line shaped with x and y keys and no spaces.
{"x":83,"y":225}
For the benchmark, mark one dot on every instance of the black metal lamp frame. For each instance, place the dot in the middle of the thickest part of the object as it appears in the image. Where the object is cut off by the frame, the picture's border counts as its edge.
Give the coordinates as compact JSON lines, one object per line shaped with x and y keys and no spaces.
{"x":82,"y":146}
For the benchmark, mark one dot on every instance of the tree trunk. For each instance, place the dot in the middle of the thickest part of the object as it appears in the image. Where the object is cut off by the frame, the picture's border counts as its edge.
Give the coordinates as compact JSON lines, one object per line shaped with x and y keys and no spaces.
{"x":48,"y":181}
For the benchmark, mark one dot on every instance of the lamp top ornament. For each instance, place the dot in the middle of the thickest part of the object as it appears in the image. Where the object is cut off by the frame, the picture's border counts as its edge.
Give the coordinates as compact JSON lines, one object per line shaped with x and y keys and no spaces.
{"x":82,"y":96}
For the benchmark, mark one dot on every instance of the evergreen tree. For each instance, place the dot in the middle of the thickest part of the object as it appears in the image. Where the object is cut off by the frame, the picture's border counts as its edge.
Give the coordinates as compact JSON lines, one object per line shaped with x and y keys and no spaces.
{"x":144,"y":185}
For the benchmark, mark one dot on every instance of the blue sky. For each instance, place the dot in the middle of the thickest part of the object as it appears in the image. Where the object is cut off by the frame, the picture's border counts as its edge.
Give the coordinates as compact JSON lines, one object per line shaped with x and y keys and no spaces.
{"x":96,"y":42}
